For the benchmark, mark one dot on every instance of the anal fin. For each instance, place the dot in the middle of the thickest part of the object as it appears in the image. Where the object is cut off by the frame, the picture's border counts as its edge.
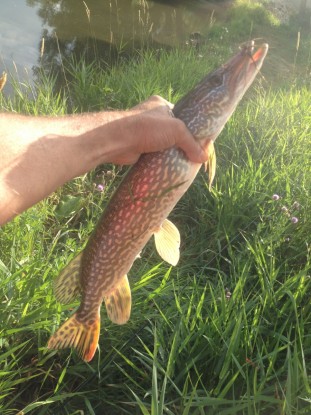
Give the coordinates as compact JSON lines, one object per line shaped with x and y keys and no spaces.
{"x":119,"y":301}
{"x":167,"y":241}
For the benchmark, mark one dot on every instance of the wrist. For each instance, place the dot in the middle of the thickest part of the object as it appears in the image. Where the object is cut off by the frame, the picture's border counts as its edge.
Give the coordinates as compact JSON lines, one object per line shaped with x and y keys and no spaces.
{"x":111,"y":137}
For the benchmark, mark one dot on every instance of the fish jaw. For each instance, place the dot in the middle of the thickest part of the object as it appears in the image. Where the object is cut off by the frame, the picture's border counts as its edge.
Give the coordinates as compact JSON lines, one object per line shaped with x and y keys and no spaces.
{"x":206,"y":108}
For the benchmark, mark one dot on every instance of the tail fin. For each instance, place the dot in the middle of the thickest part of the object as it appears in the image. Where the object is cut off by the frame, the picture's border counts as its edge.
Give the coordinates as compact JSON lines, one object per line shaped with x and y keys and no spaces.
{"x":83,"y":336}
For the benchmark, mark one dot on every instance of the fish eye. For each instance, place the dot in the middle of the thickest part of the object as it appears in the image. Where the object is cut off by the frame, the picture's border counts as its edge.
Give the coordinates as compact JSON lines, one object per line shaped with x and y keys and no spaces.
{"x":216,"y":80}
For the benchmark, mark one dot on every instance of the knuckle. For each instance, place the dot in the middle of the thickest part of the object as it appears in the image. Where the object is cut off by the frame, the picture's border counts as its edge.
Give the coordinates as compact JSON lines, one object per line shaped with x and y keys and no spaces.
{"x":156,"y":98}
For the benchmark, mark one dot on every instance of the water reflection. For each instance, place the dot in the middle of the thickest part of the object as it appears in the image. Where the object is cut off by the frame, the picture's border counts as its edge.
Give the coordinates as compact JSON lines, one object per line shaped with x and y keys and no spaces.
{"x":20,"y":30}
{"x":95,"y":29}
{"x":123,"y":22}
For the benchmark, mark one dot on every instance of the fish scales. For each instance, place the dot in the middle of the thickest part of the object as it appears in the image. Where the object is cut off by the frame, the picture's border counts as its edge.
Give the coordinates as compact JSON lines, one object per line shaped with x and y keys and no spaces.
{"x":140,"y":206}
{"x":133,"y":214}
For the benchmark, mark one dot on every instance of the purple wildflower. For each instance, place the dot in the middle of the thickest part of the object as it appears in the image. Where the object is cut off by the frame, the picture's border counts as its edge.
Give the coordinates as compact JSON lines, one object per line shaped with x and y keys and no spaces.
{"x":294,"y":219}
{"x":100,"y":187}
{"x":275,"y":197}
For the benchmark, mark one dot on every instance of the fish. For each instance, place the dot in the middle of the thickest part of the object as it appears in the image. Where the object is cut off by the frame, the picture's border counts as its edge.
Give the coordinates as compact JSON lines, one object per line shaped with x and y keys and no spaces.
{"x":139,"y":208}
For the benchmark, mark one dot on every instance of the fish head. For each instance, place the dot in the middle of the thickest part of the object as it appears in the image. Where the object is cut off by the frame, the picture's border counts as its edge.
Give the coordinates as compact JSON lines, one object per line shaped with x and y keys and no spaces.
{"x":207,"y":108}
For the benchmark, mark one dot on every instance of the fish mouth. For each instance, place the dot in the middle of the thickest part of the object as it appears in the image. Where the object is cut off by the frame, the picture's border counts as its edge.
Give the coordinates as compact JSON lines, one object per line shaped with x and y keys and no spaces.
{"x":250,"y":60}
{"x":260,"y":54}
{"x":243,"y":67}
{"x":257,"y":56}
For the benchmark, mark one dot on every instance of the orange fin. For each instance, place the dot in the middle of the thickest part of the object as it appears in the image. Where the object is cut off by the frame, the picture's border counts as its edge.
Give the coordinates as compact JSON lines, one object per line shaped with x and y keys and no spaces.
{"x":67,"y":284}
{"x":83,"y":336}
{"x":119,"y":302}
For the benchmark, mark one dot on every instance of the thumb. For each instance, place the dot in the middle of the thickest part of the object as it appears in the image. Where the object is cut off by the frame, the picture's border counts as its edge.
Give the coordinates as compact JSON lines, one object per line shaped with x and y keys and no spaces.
{"x":192,"y":147}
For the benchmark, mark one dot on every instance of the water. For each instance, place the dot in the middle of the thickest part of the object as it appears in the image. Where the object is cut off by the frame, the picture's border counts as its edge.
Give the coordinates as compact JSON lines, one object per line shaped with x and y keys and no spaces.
{"x":96,"y":29}
{"x":40,"y":33}
{"x":20,"y":30}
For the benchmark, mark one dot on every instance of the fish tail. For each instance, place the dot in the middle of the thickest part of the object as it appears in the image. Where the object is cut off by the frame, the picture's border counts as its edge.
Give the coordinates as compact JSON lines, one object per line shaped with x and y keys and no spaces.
{"x":80,"y":334}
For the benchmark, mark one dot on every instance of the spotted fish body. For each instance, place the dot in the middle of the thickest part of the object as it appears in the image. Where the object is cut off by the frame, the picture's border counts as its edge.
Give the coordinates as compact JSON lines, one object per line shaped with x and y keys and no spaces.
{"x":140,"y":206}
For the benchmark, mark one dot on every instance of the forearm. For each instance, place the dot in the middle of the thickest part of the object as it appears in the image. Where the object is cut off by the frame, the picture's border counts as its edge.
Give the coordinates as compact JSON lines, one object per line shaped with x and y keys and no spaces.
{"x":39,"y":154}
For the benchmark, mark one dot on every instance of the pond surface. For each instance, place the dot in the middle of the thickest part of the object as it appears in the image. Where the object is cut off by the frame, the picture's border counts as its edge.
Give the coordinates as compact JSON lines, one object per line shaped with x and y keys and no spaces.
{"x":94,"y":28}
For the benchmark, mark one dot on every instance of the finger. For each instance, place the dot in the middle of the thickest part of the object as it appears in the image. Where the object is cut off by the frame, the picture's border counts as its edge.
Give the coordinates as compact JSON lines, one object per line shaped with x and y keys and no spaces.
{"x":155,"y":103}
{"x":185,"y":140}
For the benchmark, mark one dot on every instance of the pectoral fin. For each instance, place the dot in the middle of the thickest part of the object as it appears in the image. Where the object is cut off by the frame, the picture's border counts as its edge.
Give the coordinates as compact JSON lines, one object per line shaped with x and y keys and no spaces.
{"x":210,"y":164}
{"x":118,"y":302}
{"x":167,"y":241}
{"x":67,"y":284}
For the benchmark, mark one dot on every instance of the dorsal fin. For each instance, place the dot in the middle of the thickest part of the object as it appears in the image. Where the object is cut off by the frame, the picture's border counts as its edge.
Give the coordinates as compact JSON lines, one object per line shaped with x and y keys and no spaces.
{"x":67,"y":285}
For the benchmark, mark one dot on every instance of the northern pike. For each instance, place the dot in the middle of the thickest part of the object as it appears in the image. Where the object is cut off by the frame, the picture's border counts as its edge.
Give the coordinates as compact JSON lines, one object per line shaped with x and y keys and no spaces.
{"x":140,"y":205}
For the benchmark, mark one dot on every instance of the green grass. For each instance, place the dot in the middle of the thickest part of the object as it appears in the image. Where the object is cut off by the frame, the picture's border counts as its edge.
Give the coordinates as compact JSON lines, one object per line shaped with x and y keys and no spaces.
{"x":227,"y":331}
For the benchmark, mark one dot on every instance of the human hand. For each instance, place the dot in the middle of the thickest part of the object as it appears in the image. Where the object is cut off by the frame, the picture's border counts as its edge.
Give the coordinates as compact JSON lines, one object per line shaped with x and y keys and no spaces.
{"x":39,"y":154}
{"x":149,"y":127}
